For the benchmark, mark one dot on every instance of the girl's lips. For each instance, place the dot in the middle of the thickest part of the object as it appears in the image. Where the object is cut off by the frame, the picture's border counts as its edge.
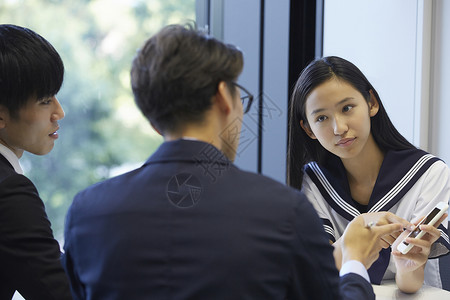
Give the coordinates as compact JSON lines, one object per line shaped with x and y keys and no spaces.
{"x":345,"y":142}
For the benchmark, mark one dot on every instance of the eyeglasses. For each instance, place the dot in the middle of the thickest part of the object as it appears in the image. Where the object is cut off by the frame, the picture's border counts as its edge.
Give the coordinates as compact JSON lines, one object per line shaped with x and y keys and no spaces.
{"x":246,"y":96}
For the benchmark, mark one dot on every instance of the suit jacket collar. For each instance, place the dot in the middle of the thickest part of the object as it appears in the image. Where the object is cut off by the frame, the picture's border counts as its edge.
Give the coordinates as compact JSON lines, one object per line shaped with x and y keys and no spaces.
{"x":189,"y":151}
{"x":11,"y":158}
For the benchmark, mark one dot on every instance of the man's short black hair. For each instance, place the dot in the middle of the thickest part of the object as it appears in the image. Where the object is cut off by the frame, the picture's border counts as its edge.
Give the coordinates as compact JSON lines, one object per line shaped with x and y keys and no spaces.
{"x":176,"y":73}
{"x":29,"y":67}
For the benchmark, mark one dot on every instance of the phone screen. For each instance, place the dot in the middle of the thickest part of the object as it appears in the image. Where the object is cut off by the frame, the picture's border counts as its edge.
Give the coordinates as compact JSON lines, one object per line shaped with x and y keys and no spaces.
{"x":426,"y":220}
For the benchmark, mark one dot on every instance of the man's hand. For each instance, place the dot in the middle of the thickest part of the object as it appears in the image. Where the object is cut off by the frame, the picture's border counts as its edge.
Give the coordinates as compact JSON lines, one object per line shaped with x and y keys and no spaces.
{"x":363,"y":243}
{"x":383,"y":218}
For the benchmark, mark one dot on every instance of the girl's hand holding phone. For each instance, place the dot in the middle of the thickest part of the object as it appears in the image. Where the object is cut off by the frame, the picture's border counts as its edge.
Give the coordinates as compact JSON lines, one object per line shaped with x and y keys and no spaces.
{"x":412,"y":248}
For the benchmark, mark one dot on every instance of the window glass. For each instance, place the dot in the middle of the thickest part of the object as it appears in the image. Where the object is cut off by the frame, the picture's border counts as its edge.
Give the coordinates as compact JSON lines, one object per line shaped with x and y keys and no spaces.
{"x":103,"y":133}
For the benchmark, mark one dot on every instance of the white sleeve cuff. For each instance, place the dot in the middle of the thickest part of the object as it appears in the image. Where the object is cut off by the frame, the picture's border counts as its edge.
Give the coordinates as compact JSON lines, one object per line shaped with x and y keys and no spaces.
{"x":354,"y":266}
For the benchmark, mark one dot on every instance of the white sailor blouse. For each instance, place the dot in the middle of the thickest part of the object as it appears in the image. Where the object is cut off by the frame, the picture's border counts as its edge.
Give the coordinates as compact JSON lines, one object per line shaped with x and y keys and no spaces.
{"x":410,"y":183}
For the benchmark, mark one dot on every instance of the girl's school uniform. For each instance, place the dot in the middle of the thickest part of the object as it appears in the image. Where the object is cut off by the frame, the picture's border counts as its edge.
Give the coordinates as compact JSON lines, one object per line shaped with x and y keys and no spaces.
{"x":410,"y":183}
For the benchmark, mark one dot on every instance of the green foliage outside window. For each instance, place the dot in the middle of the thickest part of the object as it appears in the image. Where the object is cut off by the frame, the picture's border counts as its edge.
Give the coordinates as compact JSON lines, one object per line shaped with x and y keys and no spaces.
{"x":102,"y":133}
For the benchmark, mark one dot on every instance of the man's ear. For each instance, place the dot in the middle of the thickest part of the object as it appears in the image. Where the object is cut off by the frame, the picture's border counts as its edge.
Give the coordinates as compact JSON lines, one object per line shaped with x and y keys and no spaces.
{"x":223,"y":98}
{"x":374,"y":106}
{"x":156,"y":129}
{"x":308,"y":130}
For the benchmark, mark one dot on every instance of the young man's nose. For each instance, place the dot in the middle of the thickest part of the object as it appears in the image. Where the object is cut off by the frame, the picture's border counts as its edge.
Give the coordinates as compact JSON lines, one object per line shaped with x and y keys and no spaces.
{"x":58,"y":113}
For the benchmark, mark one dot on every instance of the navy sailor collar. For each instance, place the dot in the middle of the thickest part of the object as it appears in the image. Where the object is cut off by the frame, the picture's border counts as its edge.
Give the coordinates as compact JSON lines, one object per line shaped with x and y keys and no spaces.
{"x":399,"y":171}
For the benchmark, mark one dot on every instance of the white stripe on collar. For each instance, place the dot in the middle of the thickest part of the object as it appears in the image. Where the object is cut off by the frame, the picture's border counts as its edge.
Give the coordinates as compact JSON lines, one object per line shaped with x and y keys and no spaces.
{"x":444,"y":235}
{"x":12,"y":158}
{"x":380,"y":203}
{"x":332,"y":192}
{"x":401,"y":184}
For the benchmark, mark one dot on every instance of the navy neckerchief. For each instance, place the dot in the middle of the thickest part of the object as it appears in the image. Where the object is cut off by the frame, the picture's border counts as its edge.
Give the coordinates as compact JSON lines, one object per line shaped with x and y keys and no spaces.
{"x":399,"y":171}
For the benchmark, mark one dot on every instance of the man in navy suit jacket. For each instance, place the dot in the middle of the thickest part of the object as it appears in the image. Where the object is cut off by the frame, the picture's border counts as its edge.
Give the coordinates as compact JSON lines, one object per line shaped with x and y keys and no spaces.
{"x":189,"y":224}
{"x":31,"y":73}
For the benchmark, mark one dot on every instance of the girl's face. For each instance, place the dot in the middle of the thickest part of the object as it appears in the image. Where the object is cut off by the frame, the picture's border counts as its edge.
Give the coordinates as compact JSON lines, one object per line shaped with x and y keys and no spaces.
{"x":339,"y":117}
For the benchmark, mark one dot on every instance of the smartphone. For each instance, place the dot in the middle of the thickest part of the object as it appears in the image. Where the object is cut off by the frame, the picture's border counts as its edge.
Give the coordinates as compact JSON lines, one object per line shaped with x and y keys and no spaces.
{"x":433,"y":216}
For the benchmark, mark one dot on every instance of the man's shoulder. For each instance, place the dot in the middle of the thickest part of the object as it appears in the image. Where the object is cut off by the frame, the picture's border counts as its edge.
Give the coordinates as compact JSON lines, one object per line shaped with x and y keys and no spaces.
{"x":242,"y":188}
{"x":263,"y":183}
{"x":108,"y":185}
{"x":233,"y":176}
{"x":264,"y":189}
{"x":9,"y":179}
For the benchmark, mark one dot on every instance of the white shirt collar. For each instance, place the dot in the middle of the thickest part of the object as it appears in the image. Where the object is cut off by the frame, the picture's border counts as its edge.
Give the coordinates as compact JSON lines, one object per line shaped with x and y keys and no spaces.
{"x":12,"y":158}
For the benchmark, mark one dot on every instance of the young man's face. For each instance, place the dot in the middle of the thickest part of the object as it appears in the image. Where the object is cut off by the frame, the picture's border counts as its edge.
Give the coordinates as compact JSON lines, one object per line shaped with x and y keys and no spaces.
{"x":35,"y":128}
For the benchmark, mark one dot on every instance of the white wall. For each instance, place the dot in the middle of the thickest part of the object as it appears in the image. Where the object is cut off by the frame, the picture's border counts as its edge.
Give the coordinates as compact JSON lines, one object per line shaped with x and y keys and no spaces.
{"x":383,"y":38}
{"x":439,"y":137}
{"x":403,"y":48}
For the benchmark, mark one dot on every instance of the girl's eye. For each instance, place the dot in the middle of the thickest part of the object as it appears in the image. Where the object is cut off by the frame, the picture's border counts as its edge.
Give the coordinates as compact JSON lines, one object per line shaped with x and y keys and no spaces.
{"x":321,"y":119}
{"x":347,"y":108}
